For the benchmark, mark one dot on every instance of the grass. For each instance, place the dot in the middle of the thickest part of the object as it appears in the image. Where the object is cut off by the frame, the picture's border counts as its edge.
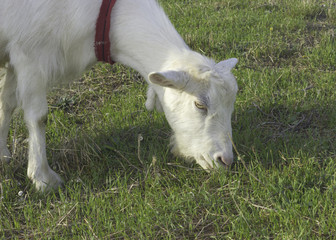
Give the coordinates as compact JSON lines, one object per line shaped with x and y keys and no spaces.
{"x":283,"y":182}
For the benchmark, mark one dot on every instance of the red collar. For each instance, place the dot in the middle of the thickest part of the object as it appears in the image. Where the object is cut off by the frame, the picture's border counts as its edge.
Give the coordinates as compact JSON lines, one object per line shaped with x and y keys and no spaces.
{"x":102,"y":40}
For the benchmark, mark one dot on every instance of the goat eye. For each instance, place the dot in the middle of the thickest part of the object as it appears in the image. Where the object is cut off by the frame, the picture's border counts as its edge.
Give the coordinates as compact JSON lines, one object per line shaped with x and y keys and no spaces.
{"x":200,"y":106}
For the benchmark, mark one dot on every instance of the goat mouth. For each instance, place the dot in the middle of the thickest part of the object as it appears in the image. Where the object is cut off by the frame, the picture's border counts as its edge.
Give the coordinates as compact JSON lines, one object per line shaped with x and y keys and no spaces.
{"x":204,"y":160}
{"x":223,"y":164}
{"x":212,"y":163}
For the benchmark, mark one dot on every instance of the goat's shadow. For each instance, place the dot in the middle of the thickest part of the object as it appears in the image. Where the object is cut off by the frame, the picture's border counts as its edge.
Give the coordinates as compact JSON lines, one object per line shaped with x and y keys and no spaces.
{"x":275,"y":134}
{"x":100,"y":152}
{"x":272,"y":135}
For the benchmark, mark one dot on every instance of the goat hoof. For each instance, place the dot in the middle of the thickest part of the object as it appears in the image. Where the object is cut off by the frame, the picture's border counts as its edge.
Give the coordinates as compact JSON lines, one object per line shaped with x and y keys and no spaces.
{"x":5,"y":156}
{"x":48,"y":182}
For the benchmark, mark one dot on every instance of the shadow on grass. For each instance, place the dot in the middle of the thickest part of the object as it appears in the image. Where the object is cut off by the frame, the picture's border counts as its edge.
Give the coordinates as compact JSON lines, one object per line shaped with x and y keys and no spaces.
{"x":275,"y":134}
{"x":107,"y":150}
{"x":272,"y":136}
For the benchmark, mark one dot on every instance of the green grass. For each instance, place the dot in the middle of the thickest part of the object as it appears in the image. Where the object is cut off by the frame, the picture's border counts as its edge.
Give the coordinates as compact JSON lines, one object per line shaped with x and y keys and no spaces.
{"x":283,"y":182}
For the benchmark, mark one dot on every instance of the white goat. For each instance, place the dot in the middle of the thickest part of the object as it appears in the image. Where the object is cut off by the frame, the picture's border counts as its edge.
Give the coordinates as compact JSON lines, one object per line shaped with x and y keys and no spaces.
{"x":45,"y":42}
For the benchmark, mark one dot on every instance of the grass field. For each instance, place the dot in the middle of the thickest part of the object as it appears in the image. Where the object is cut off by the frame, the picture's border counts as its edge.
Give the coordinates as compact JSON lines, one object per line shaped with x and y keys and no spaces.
{"x":282,"y":184}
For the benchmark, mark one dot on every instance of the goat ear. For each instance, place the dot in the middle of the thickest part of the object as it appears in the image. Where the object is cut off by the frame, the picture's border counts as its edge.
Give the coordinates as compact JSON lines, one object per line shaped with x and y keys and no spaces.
{"x":171,"y":79}
{"x":227,"y":65}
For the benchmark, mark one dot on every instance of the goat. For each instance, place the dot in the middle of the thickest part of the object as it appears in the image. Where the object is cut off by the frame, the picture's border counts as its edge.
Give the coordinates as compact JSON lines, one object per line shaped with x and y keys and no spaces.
{"x":46,"y":42}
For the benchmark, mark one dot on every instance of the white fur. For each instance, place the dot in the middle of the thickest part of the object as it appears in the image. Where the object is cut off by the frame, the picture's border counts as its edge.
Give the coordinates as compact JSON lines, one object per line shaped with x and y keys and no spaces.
{"x":45,"y":42}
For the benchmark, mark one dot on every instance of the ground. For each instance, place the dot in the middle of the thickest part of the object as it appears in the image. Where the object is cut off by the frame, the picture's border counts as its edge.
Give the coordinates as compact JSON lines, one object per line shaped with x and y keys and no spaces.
{"x":282,"y":184}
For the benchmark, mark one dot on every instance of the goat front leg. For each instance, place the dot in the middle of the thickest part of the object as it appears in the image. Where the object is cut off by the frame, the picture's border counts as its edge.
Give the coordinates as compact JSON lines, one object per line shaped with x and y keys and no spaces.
{"x":152,"y":100}
{"x":35,"y":107}
{"x":7,"y":106}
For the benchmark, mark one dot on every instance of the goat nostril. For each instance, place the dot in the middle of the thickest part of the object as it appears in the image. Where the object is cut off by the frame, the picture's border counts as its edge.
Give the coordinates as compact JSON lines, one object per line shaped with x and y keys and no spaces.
{"x":223,"y":159}
{"x":226,"y":161}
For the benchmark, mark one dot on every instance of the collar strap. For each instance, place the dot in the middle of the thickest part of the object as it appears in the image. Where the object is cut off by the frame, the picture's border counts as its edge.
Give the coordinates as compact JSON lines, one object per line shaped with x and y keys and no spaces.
{"x":102,"y":39}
